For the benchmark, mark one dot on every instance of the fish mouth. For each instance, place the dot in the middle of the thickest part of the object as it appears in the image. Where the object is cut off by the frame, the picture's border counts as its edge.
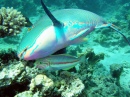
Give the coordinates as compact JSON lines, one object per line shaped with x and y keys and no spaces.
{"x":21,"y":54}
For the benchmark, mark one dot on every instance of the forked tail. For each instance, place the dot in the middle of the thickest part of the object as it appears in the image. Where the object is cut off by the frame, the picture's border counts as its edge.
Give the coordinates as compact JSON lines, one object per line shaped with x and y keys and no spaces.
{"x":118,"y":30}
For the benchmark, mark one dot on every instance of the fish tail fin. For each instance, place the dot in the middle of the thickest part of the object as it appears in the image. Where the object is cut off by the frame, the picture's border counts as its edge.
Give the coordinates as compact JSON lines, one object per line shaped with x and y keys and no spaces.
{"x":118,"y":30}
{"x":82,"y":58}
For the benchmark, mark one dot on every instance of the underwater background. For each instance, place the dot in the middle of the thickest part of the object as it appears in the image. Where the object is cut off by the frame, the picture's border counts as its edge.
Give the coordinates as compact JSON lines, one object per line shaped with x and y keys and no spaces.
{"x":106,"y":72}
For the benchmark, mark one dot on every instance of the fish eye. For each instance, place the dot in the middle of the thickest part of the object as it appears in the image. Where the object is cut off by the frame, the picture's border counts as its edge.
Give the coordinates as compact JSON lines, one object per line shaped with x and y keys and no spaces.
{"x":25,"y":50}
{"x":40,"y":62}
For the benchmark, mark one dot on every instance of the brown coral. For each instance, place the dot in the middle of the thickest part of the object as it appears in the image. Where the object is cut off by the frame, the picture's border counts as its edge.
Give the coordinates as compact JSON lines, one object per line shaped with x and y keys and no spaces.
{"x":11,"y":21}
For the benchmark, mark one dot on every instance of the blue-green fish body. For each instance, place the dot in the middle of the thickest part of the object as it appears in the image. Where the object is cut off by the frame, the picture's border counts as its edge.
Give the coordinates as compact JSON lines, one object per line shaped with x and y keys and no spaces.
{"x":45,"y":38}
{"x":58,"y":62}
{"x":58,"y":30}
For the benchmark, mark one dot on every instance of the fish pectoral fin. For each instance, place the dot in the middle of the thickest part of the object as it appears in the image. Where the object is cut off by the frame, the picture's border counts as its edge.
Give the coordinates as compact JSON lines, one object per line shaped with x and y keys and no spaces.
{"x":78,"y":41}
{"x":76,"y":35}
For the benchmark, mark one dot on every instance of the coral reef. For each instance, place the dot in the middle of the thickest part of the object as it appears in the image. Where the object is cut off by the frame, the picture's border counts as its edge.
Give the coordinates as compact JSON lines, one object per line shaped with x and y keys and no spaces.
{"x":91,"y":80}
{"x":100,"y":83}
{"x":11,"y":21}
{"x":66,"y":85}
{"x":10,"y":74}
{"x":41,"y":82}
{"x":122,"y":73}
{"x":15,"y":78}
{"x":23,"y":79}
{"x":72,"y":85}
{"x":6,"y":57}
{"x":75,"y":88}
{"x":92,"y":57}
{"x":125,"y":78}
{"x":26,"y":94}
{"x":116,"y":70}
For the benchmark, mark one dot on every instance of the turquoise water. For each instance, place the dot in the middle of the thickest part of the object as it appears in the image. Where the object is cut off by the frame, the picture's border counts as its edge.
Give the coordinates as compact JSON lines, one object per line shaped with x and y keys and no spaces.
{"x":106,"y":69}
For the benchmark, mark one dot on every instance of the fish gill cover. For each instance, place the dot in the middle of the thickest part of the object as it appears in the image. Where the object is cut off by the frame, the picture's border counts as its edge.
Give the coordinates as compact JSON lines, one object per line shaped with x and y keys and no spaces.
{"x":106,"y":71}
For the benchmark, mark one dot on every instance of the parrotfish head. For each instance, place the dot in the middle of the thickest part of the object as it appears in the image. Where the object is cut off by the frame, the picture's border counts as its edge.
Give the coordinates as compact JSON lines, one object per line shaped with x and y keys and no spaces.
{"x":35,"y":46}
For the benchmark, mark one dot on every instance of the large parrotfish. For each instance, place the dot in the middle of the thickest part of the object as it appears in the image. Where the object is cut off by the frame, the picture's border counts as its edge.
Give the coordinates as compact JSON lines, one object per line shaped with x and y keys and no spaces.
{"x":58,"y":30}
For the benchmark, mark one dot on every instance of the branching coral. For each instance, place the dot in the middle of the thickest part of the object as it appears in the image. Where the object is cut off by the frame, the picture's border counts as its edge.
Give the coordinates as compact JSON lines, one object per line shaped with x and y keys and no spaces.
{"x":11,"y":21}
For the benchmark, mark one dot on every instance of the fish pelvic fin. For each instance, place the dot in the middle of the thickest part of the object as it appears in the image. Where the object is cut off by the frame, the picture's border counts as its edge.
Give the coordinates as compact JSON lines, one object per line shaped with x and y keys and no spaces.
{"x":54,"y":20}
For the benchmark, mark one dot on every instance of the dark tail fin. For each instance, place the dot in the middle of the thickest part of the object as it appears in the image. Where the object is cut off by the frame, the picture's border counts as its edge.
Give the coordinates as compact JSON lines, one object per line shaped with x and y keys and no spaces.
{"x":117,"y":30}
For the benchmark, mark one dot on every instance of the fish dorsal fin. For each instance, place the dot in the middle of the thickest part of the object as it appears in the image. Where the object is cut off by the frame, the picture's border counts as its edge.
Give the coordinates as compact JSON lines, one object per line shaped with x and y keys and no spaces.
{"x":54,"y":20}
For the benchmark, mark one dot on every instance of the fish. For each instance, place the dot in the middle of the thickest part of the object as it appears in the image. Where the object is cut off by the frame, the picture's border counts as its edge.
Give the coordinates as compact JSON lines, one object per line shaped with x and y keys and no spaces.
{"x":58,"y":62}
{"x":55,"y":31}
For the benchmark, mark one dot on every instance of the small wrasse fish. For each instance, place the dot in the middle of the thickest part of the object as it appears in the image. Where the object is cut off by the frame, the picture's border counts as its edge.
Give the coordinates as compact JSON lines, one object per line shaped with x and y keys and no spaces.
{"x":58,"y":62}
